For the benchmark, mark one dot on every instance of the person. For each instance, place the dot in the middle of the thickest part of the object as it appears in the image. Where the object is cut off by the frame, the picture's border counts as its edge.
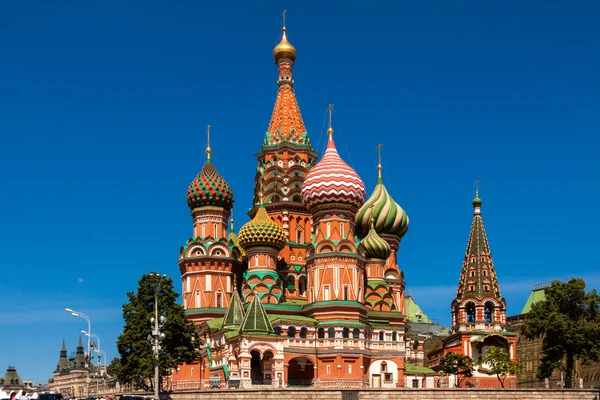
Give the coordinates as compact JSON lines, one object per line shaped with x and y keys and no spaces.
{"x":24,"y":396}
{"x":13,"y":396}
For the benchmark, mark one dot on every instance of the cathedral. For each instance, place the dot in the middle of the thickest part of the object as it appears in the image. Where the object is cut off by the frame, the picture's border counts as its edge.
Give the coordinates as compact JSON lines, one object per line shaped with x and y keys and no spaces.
{"x":309,"y":292}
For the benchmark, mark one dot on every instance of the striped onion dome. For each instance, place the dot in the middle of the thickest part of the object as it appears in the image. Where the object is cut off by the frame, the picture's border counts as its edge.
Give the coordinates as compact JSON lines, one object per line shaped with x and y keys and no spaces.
{"x":375,"y":246}
{"x":262,"y":231}
{"x":333,"y":181}
{"x":209,"y":189}
{"x":389,"y":217}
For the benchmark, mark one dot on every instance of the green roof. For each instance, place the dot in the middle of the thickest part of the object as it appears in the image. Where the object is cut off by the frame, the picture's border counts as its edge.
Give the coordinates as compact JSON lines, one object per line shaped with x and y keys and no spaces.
{"x":256,"y":319}
{"x":411,"y":309}
{"x":414,"y":369}
{"x":273,"y":318}
{"x":215,"y":323}
{"x":536,"y":295}
{"x":339,"y":322}
{"x":235,"y":312}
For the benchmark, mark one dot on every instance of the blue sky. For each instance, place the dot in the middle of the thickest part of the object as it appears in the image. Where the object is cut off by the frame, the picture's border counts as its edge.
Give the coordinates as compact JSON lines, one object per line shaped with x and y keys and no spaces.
{"x":103,"y":108}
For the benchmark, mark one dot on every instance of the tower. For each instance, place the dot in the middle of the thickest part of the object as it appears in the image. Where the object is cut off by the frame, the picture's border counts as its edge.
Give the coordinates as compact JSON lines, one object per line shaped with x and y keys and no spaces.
{"x":478,"y":304}
{"x":390,"y":221}
{"x":262,"y":239}
{"x":479,"y":310}
{"x":333,"y":192}
{"x":209,"y":260}
{"x":63,"y":360}
{"x":285,"y":157}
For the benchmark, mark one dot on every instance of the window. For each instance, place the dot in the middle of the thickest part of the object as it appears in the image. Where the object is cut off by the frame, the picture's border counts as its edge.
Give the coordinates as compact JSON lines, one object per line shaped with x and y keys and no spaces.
{"x":470,"y":309}
{"x":328,"y":229}
{"x":342,"y":229}
{"x":256,"y":261}
{"x":471,"y":288}
{"x":321,"y":333}
{"x":331,"y":333}
{"x":197,"y":299}
{"x":299,"y":237}
{"x":380,"y":335}
{"x":291,"y":331}
{"x":303,"y":332}
{"x":277,"y":330}
{"x":218,"y":300}
{"x":394,"y":336}
{"x":355,"y":333}
{"x":329,"y":369}
{"x":472,"y":273}
{"x":192,"y":371}
{"x":346,"y":333}
{"x":346,"y":293}
{"x":203,"y":231}
{"x":485,"y":272}
{"x":486,"y":288}
{"x":384,"y":367}
{"x":388,"y":378}
{"x":349,"y":368}
{"x":488,"y":312}
{"x":216,"y":231}
{"x":326,"y":293}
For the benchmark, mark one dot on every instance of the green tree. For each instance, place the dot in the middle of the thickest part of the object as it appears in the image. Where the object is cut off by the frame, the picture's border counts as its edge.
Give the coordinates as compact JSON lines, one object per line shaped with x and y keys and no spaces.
{"x":457,"y":365}
{"x":569,"y":322}
{"x":112,"y":372}
{"x":179,"y":345}
{"x":500,"y":363}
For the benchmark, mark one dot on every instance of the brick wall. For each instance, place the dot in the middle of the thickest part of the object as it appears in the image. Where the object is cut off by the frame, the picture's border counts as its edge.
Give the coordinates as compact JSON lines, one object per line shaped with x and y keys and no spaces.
{"x":397,"y":394}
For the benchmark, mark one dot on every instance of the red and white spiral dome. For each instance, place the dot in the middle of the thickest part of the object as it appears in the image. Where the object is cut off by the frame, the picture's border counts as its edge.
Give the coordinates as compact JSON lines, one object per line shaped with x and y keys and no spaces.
{"x":333,"y":181}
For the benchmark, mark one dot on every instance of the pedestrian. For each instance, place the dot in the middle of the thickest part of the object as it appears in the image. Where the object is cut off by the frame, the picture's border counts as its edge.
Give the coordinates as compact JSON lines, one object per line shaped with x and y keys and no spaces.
{"x":13,"y":396}
{"x":24,"y":396}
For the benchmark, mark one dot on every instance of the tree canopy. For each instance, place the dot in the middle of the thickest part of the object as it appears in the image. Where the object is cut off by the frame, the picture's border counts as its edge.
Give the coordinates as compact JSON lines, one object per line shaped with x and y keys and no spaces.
{"x":569,"y":322}
{"x":179,"y":345}
{"x":498,"y":359}
{"x":457,"y":365}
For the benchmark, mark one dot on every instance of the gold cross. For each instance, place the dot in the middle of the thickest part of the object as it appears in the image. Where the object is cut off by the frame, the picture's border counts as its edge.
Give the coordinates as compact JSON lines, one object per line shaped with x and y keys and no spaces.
{"x":283,"y":15}
{"x":208,"y":149}
{"x":477,"y":188}
{"x":379,"y":146}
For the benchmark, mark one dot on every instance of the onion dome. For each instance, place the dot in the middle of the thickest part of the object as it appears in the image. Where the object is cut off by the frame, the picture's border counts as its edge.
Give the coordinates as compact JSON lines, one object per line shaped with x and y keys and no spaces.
{"x":262,"y":231}
{"x":284,"y":49}
{"x":389,"y":217}
{"x":375,"y":246}
{"x":333,"y":181}
{"x":477,"y":201}
{"x":209,"y":188}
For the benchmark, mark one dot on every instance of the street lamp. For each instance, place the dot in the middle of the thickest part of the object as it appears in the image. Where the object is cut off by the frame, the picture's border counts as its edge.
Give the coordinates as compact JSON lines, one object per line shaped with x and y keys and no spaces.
{"x":156,"y":336}
{"x":82,"y":315}
{"x":98,"y":340}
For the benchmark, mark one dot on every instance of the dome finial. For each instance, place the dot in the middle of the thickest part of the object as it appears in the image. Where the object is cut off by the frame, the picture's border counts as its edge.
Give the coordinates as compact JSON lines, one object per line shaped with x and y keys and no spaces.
{"x":330,"y":129}
{"x":231,"y":228}
{"x":208,"y":149}
{"x":379,"y":167}
{"x":477,"y":201}
{"x":284,"y":49}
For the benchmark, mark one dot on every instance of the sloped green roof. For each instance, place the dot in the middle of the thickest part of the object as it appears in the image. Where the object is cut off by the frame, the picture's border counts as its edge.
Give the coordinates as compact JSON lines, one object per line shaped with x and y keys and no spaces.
{"x":256,"y":319}
{"x":411,"y":308}
{"x":273,"y":318}
{"x":215,"y":323}
{"x":535,"y":296}
{"x":235,"y":312}
{"x":414,"y":369}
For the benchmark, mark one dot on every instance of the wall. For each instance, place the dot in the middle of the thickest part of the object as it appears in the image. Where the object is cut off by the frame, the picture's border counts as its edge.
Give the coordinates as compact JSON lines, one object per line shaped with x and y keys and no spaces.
{"x":397,"y":394}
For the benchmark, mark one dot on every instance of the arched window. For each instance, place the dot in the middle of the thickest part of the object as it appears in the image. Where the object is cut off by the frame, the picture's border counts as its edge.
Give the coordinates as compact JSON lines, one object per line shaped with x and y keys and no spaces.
{"x":321,"y":333}
{"x":331,"y":333}
{"x":394,"y":336}
{"x":328,"y":229}
{"x":303,"y":332}
{"x":384,"y":367}
{"x":355,"y":333}
{"x":381,"y":336}
{"x":470,"y":309}
{"x":302,"y":285}
{"x":277,"y":330}
{"x":292,"y":331}
{"x":346,"y":333}
{"x":488,"y":312}
{"x":291,"y":282}
{"x":415,"y":345}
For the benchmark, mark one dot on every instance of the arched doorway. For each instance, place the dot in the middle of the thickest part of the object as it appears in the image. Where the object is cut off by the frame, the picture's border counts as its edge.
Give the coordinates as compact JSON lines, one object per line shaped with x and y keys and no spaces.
{"x":256,"y":368}
{"x":301,"y":372}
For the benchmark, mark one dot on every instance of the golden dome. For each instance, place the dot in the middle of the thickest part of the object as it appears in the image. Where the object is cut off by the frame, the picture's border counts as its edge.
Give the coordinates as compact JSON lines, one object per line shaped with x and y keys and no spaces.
{"x":284,"y":49}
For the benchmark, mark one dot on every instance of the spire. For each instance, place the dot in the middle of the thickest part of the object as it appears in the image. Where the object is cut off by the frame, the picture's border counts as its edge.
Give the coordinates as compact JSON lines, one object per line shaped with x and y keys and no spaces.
{"x":286,"y":123}
{"x":63,"y":361}
{"x":379,"y":167}
{"x":234,"y":315}
{"x":80,"y":346}
{"x":208,"y":149}
{"x":477,"y":201}
{"x":330,"y":128}
{"x":478,"y":276}
{"x":256,"y":320}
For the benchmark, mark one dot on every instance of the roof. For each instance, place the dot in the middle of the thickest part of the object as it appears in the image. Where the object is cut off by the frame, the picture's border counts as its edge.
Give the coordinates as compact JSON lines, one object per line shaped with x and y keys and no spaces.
{"x":256,"y":319}
{"x":414,"y":369}
{"x":235,"y":312}
{"x":412,"y":310}
{"x":537,"y":295}
{"x":275,"y":318}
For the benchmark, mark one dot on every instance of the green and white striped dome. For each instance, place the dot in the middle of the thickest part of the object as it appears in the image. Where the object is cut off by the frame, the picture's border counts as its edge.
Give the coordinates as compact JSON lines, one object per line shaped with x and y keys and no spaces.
{"x":375,"y":246}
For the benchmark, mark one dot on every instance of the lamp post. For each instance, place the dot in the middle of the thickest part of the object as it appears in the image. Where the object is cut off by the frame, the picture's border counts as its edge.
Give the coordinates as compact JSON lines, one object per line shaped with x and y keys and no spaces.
{"x":88,"y":357}
{"x":156,"y":336}
{"x":84,"y":316}
{"x":97,"y":339}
